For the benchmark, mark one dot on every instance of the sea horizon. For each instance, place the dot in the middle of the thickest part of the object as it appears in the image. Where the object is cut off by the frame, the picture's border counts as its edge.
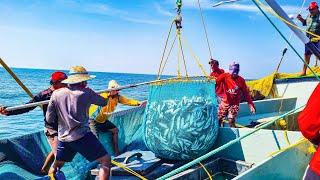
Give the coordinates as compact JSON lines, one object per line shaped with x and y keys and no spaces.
{"x":11,"y":94}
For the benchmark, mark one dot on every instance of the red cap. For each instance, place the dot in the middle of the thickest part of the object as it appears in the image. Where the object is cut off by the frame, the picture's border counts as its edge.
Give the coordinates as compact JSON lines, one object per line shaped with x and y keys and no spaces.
{"x":58,"y":76}
{"x":313,"y":5}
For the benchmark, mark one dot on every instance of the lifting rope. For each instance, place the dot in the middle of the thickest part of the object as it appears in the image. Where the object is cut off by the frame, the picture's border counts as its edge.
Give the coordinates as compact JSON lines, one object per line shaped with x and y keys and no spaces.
{"x":164,"y":50}
{"x":178,"y":22}
{"x":165,"y":62}
{"x":311,"y":148}
{"x":206,"y":170}
{"x":128,"y":169}
{"x":205,"y":29}
{"x":183,"y":58}
{"x":195,"y":57}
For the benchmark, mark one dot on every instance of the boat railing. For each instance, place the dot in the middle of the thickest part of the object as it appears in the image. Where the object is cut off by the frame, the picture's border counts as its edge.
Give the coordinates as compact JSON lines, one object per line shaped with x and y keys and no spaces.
{"x":225,"y":146}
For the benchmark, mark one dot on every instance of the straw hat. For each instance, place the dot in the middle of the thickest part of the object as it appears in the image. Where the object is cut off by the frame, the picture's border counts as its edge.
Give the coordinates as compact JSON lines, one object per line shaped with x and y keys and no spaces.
{"x":78,"y":74}
{"x":113,"y":84}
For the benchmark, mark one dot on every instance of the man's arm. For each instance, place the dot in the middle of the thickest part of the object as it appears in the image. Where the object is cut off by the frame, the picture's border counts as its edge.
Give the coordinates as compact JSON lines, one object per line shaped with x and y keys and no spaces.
{"x":98,"y":99}
{"x":129,"y":102}
{"x":303,"y":21}
{"x":51,"y":115}
{"x":220,"y":79}
{"x":245,"y":91}
{"x":37,"y":98}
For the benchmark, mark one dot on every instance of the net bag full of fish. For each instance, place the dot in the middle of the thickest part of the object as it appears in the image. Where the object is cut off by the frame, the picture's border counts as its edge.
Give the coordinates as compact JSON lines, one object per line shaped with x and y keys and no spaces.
{"x":181,"y":119}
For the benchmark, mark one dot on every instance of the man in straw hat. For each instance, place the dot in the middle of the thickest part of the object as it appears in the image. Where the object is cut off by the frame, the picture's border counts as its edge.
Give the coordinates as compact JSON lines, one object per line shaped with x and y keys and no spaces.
{"x":99,"y":115}
{"x":69,"y":106}
{"x":51,"y":129}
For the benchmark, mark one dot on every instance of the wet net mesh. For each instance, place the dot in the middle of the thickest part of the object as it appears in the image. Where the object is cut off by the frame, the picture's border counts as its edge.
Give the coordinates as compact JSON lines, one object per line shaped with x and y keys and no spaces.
{"x":181,"y":119}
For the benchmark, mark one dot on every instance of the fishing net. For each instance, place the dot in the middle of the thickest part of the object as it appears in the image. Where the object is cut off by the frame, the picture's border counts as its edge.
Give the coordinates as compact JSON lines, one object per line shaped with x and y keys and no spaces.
{"x":10,"y":170}
{"x":28,"y":152}
{"x":181,"y":119}
{"x":23,"y":156}
{"x":266,"y":85}
{"x":129,"y":124}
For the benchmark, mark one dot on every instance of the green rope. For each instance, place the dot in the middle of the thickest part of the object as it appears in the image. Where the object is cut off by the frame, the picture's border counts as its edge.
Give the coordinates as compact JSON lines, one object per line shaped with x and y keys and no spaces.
{"x":223,"y":147}
{"x":255,"y":2}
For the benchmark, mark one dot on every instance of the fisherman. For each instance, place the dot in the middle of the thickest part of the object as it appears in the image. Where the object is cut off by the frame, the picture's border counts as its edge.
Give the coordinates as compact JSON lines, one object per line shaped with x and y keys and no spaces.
{"x":234,"y":86}
{"x":70,"y":108}
{"x":216,"y":72}
{"x":313,"y":25}
{"x":309,"y":125}
{"x":51,"y":129}
{"x":99,"y":115}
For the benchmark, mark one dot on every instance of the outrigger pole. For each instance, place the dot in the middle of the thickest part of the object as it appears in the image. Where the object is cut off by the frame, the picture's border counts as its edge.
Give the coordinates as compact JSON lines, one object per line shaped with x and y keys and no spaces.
{"x":102,"y":91}
{"x":15,"y":77}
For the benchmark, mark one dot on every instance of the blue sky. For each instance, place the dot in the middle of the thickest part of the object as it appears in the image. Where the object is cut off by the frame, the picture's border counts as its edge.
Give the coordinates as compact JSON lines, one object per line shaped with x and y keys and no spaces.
{"x":128,"y":35}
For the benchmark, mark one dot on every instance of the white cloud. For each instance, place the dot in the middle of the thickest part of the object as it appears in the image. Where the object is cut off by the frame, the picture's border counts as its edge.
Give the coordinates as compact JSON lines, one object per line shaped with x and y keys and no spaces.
{"x":143,"y":21}
{"x":162,"y":11}
{"x":241,"y":5}
{"x":253,"y":8}
{"x":104,"y":9}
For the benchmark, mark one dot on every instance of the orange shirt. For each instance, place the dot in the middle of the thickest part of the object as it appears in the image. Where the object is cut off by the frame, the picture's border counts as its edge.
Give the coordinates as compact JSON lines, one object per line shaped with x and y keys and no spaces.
{"x":101,"y":114}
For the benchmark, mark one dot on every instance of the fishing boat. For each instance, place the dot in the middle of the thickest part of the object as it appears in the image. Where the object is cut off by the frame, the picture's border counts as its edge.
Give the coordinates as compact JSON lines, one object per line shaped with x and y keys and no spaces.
{"x":22,"y":157}
{"x":261,"y":148}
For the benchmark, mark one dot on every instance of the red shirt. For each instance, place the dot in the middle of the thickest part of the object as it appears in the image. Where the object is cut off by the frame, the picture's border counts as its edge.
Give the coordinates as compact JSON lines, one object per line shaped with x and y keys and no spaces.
{"x":309,"y":125}
{"x":217,"y":73}
{"x":219,"y":88}
{"x":233,"y":88}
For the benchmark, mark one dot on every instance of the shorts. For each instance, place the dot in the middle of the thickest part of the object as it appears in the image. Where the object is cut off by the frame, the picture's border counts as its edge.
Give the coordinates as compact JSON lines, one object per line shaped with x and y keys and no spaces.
{"x":307,"y":51}
{"x":226,"y":110}
{"x":88,"y":146}
{"x":50,"y":133}
{"x":101,"y":127}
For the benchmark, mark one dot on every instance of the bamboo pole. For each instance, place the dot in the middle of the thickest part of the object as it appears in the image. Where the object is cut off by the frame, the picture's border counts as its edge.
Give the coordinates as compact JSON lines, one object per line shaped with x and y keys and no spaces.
{"x":15,"y":77}
{"x":102,"y":91}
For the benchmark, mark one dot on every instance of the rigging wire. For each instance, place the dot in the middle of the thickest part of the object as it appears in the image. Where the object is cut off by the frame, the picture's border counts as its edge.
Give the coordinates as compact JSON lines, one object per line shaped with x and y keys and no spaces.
{"x":205,"y":28}
{"x":291,"y":35}
{"x":165,"y":48}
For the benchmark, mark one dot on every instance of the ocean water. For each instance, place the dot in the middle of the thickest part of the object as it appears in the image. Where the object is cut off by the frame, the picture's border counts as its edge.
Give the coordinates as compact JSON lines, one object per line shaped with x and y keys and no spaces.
{"x":37,"y":80}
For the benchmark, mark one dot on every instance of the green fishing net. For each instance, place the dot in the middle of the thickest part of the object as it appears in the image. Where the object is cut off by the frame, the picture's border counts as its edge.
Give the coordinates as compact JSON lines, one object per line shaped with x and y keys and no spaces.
{"x":181,"y":119}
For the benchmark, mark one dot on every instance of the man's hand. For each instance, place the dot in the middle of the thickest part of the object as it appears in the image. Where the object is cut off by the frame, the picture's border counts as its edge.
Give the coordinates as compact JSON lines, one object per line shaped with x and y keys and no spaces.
{"x":300,"y":18}
{"x":3,"y":110}
{"x":143,"y":103}
{"x":252,"y":109}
